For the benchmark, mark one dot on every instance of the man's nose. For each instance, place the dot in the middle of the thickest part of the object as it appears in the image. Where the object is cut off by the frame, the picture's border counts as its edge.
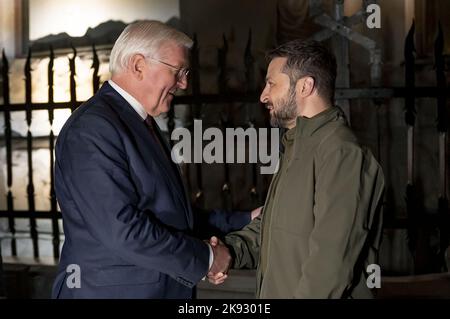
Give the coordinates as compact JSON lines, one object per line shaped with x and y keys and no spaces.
{"x":264,"y":98}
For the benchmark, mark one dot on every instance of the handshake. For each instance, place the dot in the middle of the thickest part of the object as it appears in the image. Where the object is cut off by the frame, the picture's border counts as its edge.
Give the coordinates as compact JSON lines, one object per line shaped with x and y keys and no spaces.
{"x":222,"y":261}
{"x":222,"y":257}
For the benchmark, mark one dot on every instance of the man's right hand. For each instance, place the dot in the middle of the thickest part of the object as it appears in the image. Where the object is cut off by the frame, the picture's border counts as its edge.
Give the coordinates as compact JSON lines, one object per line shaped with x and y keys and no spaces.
{"x":256,"y":212}
{"x":222,"y":261}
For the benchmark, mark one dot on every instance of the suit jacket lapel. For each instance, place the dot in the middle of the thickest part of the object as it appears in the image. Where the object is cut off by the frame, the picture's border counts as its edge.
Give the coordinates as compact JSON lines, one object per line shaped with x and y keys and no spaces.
{"x":145,"y":143}
{"x":178,"y":175}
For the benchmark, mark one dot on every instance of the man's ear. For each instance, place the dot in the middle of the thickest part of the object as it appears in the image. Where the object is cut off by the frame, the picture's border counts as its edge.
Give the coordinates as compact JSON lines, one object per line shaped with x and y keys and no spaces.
{"x":137,"y":65}
{"x":305,"y":86}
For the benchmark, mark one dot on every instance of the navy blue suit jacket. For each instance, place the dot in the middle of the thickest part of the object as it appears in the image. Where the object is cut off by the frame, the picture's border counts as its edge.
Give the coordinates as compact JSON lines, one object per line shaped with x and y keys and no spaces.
{"x":127,"y":219}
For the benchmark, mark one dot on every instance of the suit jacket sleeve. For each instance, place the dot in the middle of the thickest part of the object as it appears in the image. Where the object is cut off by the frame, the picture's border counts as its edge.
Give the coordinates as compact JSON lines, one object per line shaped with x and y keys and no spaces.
{"x":218,"y":222}
{"x":96,"y":170}
{"x":348,"y":184}
{"x":245,"y":244}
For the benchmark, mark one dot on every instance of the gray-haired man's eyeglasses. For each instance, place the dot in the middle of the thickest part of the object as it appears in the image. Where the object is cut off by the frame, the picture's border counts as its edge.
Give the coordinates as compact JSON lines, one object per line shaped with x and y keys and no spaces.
{"x":181,"y":72}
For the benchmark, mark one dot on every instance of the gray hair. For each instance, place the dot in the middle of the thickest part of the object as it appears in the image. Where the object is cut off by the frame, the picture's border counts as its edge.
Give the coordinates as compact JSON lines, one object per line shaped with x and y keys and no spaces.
{"x":143,"y":37}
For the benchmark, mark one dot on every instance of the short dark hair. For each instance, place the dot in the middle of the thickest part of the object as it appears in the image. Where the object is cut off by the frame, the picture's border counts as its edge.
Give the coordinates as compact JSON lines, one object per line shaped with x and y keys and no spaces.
{"x":309,"y":58}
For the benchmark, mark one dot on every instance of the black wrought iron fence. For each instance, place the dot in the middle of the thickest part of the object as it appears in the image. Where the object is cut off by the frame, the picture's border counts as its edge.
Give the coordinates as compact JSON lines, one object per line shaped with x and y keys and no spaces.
{"x":250,"y":95}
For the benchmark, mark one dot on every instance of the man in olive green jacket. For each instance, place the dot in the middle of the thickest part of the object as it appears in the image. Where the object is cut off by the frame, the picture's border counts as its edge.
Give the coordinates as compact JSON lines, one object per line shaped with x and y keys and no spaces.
{"x":321,"y":224}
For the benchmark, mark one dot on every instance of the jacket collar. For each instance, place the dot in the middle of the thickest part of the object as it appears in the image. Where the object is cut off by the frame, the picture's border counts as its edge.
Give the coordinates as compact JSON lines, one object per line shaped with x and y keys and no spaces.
{"x":130,"y":99}
{"x":308,"y":126}
{"x":119,"y":103}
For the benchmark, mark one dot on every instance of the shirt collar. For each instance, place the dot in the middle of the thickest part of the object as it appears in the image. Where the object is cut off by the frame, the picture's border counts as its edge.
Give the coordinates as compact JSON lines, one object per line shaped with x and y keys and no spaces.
{"x":308,"y":126}
{"x":130,"y":99}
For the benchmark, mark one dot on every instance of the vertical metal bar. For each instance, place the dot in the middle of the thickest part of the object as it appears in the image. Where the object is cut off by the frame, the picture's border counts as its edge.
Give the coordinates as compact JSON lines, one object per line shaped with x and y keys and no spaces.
{"x":444,"y":215}
{"x":11,"y":224}
{"x":222,"y":63}
{"x":410,"y":109}
{"x":342,"y":55}
{"x":50,"y":84}
{"x":199,"y":194}
{"x":442,"y":128}
{"x":410,"y":117}
{"x":28,"y":90}
{"x":226,"y":187}
{"x":53,"y":205}
{"x":8,"y":139}
{"x":378,"y":120}
{"x":442,"y":120}
{"x":96,"y":67}
{"x":375,"y":81}
{"x":410,"y":154}
{"x":442,"y":165}
{"x":195,"y":75}
{"x":222,"y":86}
{"x":196,"y":115}
{"x":249,"y":62}
{"x":73,"y":84}
{"x":30,"y":187}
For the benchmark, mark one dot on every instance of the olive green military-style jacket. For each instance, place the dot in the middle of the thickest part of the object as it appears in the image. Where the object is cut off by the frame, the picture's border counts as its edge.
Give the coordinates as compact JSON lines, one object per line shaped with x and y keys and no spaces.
{"x":321,"y":224}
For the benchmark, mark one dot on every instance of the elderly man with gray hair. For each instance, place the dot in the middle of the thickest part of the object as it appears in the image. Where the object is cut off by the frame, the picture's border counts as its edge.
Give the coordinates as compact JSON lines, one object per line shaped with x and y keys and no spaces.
{"x":127,"y":219}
